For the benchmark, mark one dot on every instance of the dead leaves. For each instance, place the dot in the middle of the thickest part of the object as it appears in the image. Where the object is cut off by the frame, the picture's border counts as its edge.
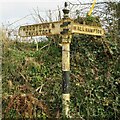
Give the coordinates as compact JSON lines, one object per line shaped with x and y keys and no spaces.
{"x":24,"y":104}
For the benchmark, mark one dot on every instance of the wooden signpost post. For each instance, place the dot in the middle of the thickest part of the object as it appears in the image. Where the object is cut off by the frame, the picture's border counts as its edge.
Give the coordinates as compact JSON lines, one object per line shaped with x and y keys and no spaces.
{"x":66,"y":27}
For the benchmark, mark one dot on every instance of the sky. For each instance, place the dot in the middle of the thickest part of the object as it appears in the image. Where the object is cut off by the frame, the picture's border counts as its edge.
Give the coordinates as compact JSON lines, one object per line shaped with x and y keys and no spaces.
{"x":15,"y":10}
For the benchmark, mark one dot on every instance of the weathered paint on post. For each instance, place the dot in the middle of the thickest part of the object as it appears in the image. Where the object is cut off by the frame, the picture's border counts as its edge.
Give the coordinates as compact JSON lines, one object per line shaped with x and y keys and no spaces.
{"x":66,"y":77}
{"x":65,"y":56}
{"x":66,"y":107}
{"x":66,"y":40}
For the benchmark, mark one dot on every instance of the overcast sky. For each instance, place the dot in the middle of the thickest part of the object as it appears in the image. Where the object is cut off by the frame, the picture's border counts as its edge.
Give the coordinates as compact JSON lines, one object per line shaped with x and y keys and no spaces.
{"x":12,"y":10}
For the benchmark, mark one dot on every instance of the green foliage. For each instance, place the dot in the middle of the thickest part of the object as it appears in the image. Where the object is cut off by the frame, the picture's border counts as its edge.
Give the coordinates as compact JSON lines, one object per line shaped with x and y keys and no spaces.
{"x":95,"y":94}
{"x":88,"y":20}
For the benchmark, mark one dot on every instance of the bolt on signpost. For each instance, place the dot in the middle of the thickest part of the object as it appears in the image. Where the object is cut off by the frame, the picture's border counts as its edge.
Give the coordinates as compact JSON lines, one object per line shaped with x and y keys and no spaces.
{"x":65,"y":27}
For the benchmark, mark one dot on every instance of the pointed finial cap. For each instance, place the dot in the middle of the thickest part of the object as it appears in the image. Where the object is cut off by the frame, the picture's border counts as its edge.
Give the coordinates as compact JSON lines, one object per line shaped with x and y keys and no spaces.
{"x":66,"y":10}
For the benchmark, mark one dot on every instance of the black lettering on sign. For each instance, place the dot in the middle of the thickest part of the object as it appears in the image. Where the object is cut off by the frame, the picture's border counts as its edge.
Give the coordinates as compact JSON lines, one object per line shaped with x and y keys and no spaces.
{"x":92,"y":30}
{"x":53,"y":26}
{"x":86,"y":29}
{"x":100,"y":31}
{"x":29,"y":33}
{"x":23,"y":29}
{"x":36,"y":33}
{"x":39,"y":30}
{"x":79,"y":28}
{"x":43,"y":32}
{"x":33,"y":27}
{"x":26,"y":33}
{"x":83,"y":29}
{"x":96,"y":31}
{"x":40,"y":27}
{"x":74,"y":28}
{"x":49,"y":30}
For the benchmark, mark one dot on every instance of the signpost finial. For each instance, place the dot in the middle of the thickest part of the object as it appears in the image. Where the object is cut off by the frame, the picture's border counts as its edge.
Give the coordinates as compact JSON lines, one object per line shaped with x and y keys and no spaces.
{"x":66,"y":4}
{"x":66,"y":10}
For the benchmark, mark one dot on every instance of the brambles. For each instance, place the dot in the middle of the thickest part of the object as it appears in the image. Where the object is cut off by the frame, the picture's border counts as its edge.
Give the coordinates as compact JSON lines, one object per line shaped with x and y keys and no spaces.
{"x":88,"y":20}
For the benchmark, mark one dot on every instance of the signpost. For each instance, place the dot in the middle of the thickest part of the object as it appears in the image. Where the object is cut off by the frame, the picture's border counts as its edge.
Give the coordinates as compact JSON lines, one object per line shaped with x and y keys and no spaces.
{"x":66,"y":27}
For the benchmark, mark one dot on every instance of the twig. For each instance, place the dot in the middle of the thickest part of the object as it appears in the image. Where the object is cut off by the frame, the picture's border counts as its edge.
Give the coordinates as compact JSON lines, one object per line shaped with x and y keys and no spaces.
{"x":88,"y":3}
{"x":23,"y":76}
{"x":75,"y":76}
{"x":44,"y":46}
{"x":19,"y":20}
{"x":39,"y":89}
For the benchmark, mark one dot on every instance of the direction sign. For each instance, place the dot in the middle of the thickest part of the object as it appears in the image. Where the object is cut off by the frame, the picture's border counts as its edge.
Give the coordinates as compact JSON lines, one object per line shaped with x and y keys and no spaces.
{"x":44,"y":29}
{"x":53,"y":28}
{"x":85,"y":29}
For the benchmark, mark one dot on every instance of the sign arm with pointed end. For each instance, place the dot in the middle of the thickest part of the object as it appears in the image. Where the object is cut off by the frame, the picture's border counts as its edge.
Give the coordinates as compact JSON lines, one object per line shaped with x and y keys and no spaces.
{"x":86,"y":29}
{"x":92,"y":7}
